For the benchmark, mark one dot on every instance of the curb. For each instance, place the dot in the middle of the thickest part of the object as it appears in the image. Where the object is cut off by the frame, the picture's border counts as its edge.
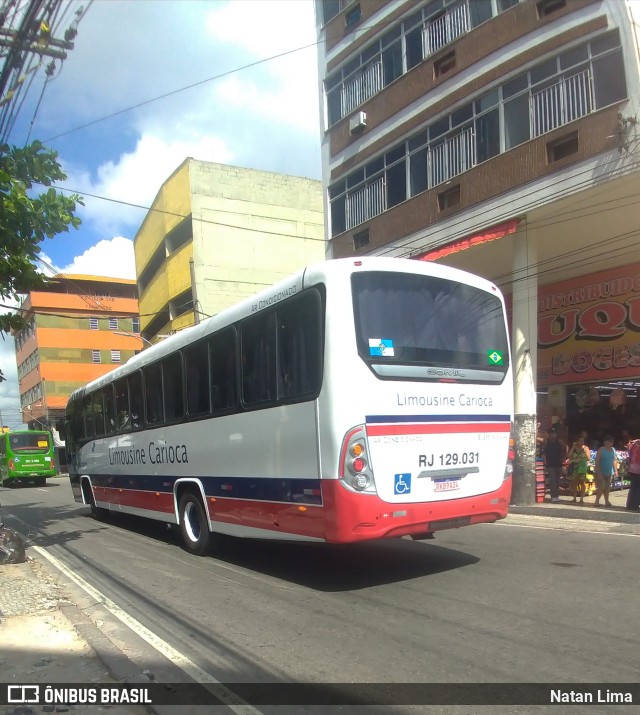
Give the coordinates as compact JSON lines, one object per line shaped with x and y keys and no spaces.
{"x":118,"y":666}
{"x":586,"y":512}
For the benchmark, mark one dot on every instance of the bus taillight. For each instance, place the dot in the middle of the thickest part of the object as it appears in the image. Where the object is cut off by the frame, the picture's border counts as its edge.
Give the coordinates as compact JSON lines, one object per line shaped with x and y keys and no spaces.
{"x":12,"y":466}
{"x":511,"y":455}
{"x":355,"y":472}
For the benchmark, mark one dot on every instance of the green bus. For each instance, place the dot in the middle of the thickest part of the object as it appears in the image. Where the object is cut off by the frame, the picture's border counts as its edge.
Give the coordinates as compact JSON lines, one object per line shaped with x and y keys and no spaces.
{"x":26,"y":456}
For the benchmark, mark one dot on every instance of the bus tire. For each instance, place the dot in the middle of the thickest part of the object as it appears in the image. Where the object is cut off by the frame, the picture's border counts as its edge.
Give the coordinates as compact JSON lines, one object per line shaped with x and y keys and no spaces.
{"x":97,"y":512}
{"x":194,"y":525}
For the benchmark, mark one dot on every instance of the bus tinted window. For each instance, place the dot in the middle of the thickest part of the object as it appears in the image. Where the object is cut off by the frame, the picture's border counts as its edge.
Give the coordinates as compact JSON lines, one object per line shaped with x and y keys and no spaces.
{"x":98,"y":411}
{"x":30,"y":442}
{"x":299,"y":347}
{"x":135,"y":399}
{"x":109,"y":410}
{"x":258,"y":354}
{"x":172,"y":388}
{"x":224,"y":390}
{"x":89,"y":416}
{"x":196,"y":362}
{"x":428,"y":320}
{"x":123,"y":421}
{"x":153,"y":393}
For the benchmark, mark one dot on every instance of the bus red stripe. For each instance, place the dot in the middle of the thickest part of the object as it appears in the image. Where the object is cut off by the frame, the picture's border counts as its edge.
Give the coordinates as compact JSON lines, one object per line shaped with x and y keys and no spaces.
{"x":446,"y":428}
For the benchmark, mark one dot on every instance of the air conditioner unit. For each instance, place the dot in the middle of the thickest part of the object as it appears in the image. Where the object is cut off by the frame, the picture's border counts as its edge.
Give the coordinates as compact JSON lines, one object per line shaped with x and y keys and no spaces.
{"x":358,"y":122}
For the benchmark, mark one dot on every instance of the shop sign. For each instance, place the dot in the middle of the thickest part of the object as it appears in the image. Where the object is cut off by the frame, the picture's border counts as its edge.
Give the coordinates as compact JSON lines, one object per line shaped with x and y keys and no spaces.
{"x":589,"y":327}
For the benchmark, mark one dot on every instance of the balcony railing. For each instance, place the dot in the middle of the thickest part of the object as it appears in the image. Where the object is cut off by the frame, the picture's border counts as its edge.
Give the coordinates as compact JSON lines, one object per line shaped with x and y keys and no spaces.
{"x":561,"y":103}
{"x":452,"y":157}
{"x":357,"y":91}
{"x":365,"y":203}
{"x":446,"y":29}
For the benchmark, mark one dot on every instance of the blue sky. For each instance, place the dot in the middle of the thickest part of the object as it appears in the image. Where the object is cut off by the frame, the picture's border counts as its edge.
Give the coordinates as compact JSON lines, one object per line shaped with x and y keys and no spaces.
{"x":130,"y":51}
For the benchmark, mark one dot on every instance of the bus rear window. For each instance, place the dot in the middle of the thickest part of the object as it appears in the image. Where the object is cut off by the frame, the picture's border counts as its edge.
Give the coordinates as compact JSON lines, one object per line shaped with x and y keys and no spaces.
{"x":418,"y":320}
{"x":30,"y":442}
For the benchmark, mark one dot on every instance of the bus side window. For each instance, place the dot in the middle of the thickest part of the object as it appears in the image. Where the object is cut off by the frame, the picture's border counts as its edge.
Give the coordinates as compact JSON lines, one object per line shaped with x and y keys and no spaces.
{"x":196,"y":360}
{"x":135,"y":399}
{"x":98,"y":411}
{"x":299,"y":347}
{"x":89,"y":417}
{"x":153,"y":394}
{"x":109,"y":410}
{"x":258,"y":341}
{"x":123,"y":421}
{"x":173,"y":388}
{"x":224,"y":389}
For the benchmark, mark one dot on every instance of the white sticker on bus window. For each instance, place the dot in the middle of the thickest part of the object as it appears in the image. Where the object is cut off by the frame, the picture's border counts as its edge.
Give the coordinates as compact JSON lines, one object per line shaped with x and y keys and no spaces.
{"x":381,"y":347}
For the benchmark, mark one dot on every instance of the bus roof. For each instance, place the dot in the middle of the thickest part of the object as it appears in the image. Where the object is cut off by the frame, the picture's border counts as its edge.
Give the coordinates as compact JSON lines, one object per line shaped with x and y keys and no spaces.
{"x":306,"y":277}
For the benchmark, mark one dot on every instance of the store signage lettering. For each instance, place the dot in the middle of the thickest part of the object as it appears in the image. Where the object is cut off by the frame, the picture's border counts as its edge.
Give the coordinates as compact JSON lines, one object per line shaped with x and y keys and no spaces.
{"x":591,"y":330}
{"x":602,"y":321}
{"x":619,"y":357}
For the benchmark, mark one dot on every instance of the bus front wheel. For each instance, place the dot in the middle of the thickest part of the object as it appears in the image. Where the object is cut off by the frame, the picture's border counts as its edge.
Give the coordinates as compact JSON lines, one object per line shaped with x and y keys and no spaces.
{"x":194,"y":525}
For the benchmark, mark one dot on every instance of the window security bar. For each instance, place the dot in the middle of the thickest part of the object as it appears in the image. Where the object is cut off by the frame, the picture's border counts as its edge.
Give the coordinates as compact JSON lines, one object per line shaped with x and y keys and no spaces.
{"x":453,"y":156}
{"x":561,"y":103}
{"x":366,"y":203}
{"x":446,"y":29}
{"x":364,"y":86}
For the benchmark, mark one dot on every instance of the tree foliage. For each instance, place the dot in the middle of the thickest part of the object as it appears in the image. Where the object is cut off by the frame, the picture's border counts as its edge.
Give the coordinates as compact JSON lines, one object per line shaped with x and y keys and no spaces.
{"x":27,"y":218}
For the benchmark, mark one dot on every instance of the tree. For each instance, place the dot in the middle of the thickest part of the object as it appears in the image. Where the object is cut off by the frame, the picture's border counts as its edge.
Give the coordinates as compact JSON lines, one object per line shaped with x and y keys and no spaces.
{"x":27,"y":218}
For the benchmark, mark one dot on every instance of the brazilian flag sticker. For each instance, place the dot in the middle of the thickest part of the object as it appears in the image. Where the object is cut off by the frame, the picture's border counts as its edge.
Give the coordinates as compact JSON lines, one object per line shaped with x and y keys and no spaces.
{"x":495,"y":357}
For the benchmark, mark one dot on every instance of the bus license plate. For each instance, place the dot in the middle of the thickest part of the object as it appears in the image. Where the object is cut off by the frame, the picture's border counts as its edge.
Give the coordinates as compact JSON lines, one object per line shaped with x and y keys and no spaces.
{"x":446,"y":485}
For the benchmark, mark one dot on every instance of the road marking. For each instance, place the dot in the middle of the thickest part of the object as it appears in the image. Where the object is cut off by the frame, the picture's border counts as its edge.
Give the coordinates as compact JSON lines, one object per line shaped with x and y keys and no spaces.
{"x":180,"y":660}
{"x":569,"y":525}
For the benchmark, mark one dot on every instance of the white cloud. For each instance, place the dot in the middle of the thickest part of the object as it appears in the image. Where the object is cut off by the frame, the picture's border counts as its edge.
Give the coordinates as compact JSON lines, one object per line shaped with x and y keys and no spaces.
{"x":113,"y":259}
{"x":9,"y":393}
{"x":135,"y":178}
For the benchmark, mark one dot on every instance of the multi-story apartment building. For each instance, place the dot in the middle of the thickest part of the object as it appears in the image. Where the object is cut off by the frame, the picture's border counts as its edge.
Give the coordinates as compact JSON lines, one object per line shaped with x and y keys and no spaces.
{"x":500,"y":136}
{"x":78,"y":328}
{"x":216,"y":234}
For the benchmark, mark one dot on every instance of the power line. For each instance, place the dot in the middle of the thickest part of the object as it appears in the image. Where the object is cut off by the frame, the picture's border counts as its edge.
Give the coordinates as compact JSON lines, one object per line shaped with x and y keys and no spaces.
{"x":177,"y":91}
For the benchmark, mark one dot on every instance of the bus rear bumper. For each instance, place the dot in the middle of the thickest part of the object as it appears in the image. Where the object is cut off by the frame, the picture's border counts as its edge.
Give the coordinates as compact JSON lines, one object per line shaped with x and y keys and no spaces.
{"x":359,"y":517}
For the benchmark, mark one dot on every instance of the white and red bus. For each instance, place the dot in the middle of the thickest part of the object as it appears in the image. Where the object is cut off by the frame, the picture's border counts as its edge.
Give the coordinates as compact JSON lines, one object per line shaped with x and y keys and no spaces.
{"x":358,"y":399}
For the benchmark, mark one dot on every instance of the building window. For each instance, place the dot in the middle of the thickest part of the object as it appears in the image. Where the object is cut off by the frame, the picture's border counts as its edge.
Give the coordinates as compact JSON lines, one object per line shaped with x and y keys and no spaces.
{"x":547,"y":7}
{"x":113,"y":323}
{"x":135,"y":325}
{"x":352,"y":16}
{"x":444,"y":64}
{"x":449,"y":198}
{"x":563,"y":147}
{"x":552,"y":94}
{"x":360,"y":239}
{"x":95,"y":356}
{"x":401,"y":48}
{"x":115,"y":356}
{"x":93,"y":324}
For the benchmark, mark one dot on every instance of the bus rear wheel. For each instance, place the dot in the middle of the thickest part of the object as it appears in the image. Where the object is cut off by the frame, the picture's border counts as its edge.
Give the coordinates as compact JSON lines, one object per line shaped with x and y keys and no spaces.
{"x":194,"y":526}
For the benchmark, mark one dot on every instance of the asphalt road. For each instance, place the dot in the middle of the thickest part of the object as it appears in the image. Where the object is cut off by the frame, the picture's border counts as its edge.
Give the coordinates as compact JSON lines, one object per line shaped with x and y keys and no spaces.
{"x":490,"y":603}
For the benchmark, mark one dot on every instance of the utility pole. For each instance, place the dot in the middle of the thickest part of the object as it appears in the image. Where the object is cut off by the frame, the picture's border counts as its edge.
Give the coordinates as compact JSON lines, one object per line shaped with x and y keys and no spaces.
{"x":27,"y":31}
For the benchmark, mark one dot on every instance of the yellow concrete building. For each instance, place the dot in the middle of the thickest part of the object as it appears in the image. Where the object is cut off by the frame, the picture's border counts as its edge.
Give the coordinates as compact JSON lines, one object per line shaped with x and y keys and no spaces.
{"x":216,"y":234}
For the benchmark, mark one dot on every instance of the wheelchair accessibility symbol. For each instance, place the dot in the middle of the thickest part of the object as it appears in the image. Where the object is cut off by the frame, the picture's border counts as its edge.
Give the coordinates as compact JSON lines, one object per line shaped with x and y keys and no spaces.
{"x":402,"y":483}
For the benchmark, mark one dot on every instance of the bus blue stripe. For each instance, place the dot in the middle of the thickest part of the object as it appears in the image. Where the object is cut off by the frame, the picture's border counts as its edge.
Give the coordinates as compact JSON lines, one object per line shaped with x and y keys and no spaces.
{"x":378,"y":419}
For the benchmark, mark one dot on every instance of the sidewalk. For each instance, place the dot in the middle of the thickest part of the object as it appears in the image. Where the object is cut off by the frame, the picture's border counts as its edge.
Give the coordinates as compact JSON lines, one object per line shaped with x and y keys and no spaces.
{"x":566,"y":509}
{"x":42,"y":641}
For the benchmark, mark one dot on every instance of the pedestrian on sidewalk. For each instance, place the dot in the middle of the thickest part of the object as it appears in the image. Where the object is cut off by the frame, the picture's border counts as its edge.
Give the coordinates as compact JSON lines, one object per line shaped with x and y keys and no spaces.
{"x":554,"y":452}
{"x":578,"y":466}
{"x":633,"y":474}
{"x":606,"y":468}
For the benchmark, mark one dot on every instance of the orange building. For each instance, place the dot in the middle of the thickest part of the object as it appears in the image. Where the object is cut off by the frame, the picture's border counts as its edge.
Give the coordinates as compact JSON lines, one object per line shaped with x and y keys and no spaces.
{"x":79,"y":328}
